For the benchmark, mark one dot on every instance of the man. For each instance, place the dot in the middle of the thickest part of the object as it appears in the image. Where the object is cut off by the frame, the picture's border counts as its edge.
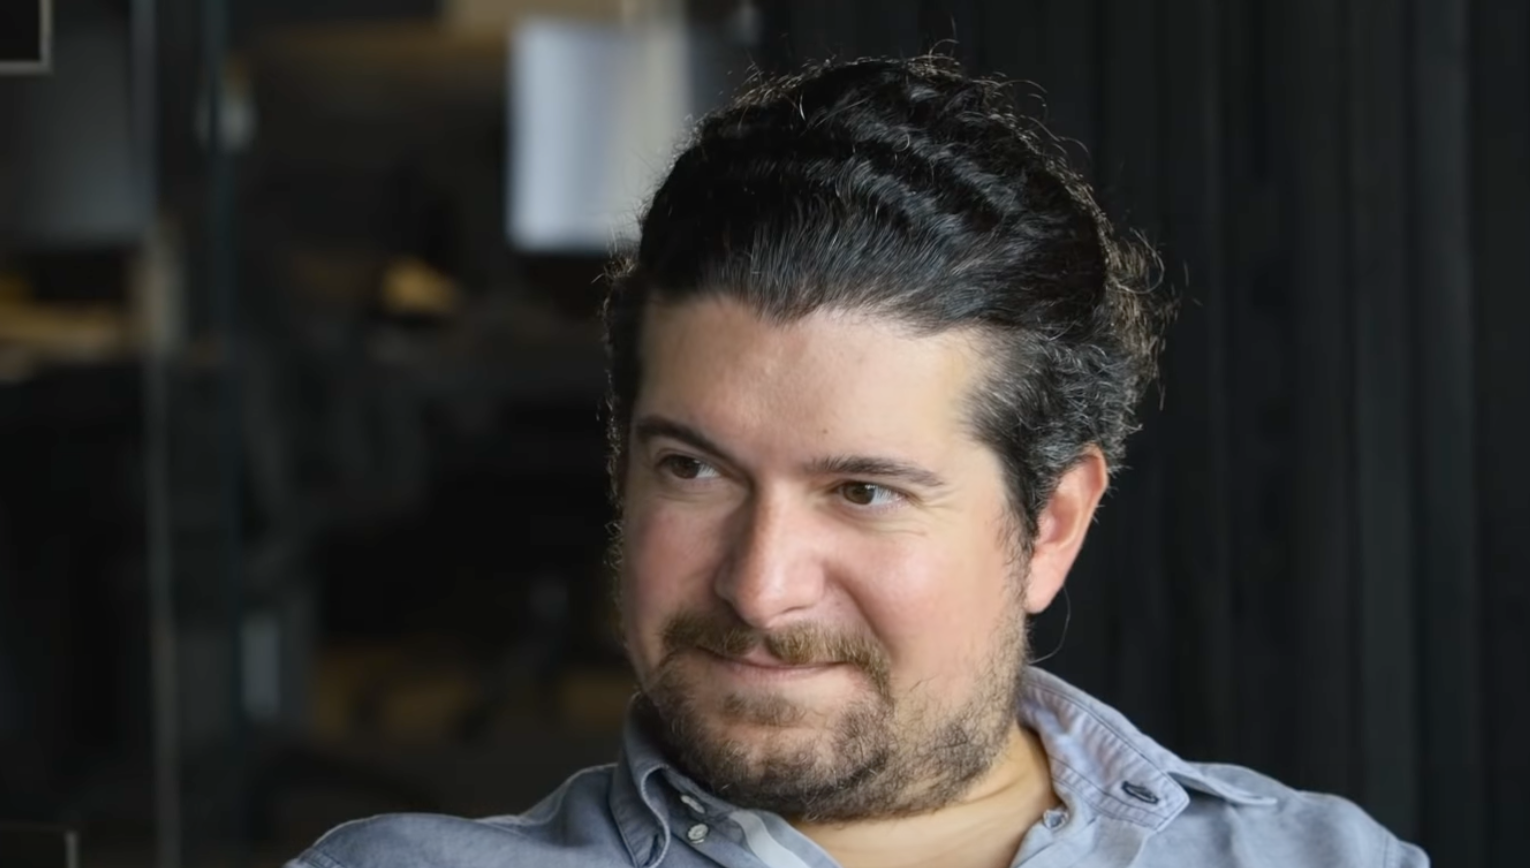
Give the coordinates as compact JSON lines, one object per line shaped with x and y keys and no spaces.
{"x":871,"y":367}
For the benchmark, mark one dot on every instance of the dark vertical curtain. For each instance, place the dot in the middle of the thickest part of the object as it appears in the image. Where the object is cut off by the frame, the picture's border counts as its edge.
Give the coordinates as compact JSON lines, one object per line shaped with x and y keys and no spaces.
{"x":1318,"y":563}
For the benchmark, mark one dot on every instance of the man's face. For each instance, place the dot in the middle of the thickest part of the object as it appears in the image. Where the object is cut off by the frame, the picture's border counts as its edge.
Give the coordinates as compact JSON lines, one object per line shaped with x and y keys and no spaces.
{"x":820,"y":587}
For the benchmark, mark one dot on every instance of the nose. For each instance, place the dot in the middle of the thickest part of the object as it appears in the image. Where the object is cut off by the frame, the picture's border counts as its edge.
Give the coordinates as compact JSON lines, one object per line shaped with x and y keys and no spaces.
{"x":770,"y":574}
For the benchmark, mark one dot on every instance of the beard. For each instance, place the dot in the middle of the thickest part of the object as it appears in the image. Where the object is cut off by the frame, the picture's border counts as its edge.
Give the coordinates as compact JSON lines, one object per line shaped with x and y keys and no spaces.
{"x":876,"y":755}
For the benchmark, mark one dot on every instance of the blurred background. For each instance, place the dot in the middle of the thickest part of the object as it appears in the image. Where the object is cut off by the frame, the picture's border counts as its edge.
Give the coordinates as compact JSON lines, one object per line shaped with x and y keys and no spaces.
{"x":302,"y":493}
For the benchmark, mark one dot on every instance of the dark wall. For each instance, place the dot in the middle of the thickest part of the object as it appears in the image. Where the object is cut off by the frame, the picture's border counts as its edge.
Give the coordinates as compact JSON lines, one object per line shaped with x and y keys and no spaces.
{"x":1318,"y":562}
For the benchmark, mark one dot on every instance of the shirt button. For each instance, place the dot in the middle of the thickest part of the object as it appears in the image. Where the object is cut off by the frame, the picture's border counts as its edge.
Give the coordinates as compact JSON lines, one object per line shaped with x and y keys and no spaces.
{"x":697,"y":833}
{"x":1140,"y":793}
{"x":1055,"y":818}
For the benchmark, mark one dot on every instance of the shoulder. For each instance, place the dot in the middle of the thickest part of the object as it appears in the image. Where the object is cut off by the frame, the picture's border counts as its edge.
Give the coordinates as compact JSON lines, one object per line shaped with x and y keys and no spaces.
{"x":571,"y":826}
{"x":1248,"y":818}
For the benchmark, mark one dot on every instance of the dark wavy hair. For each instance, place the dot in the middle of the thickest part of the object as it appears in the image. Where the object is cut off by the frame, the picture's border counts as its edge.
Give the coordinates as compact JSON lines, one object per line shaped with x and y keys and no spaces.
{"x":909,"y":190}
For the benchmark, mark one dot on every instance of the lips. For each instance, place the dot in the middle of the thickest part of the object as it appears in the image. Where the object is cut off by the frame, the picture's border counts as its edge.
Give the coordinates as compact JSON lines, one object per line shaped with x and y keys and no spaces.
{"x":762,"y":659}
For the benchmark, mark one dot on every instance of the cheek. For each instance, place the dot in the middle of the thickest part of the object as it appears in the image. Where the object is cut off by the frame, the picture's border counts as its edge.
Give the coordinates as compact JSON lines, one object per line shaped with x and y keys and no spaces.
{"x":934,"y":607}
{"x":668,"y":558}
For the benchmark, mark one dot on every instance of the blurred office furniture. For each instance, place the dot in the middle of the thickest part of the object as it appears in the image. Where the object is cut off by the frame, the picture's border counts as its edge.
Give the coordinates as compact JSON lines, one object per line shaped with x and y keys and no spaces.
{"x":425,"y":455}
{"x":74,"y":176}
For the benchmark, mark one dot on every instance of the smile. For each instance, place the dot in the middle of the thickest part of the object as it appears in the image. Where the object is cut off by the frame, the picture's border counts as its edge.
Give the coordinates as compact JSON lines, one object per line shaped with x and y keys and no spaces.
{"x":759,"y":666}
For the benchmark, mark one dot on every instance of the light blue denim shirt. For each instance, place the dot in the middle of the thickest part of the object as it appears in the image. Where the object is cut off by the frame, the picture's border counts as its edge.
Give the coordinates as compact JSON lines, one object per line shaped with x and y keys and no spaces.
{"x":1127,"y":801}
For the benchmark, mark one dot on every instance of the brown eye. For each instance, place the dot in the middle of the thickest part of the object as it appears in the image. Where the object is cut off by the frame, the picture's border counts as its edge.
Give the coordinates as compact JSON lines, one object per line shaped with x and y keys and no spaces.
{"x":867,"y":494}
{"x":682,"y":467}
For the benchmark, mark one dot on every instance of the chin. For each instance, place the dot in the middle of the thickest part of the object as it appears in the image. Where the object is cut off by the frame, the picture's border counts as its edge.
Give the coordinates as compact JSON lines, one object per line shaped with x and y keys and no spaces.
{"x":761,"y":743}
{"x":741,"y":753}
{"x":807,"y":709}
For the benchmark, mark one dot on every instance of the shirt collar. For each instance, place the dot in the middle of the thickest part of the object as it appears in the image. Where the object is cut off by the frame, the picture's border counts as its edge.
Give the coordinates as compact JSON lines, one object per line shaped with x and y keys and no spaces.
{"x":1099,"y":757}
{"x":636,"y":805}
{"x":1100,"y":761}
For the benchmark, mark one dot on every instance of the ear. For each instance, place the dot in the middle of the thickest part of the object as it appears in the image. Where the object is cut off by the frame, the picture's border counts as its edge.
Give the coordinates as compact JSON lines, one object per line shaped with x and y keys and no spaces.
{"x":1062,"y":526}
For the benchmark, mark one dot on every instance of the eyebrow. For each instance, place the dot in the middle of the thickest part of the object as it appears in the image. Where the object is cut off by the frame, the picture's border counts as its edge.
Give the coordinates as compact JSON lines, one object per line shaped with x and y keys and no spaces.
{"x":649,"y":428}
{"x":873,"y":467}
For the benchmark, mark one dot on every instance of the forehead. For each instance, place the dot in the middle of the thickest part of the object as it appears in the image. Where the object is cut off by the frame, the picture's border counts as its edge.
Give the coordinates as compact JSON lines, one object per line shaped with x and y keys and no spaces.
{"x":827,"y":377}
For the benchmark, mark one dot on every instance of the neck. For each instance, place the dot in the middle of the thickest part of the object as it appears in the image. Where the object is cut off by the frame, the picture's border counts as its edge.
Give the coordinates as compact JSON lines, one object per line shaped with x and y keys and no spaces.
{"x":983,"y":829}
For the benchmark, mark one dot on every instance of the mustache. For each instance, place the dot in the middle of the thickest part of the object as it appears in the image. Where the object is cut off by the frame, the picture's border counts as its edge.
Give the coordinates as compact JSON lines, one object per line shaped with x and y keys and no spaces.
{"x":799,"y":645}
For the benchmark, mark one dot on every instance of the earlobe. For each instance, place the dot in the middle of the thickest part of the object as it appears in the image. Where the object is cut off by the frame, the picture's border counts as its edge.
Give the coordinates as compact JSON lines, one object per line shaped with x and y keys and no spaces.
{"x":1062,"y":527}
